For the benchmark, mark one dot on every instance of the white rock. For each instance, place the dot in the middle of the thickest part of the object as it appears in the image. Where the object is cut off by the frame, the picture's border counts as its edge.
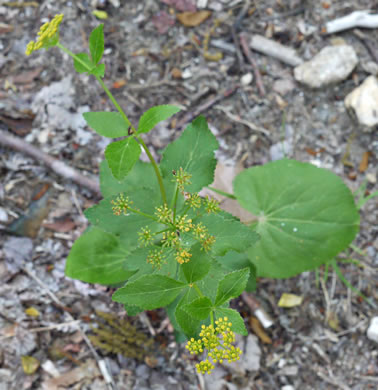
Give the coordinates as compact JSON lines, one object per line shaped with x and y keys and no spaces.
{"x":372,"y":332}
{"x":246,"y":79}
{"x":3,"y":215}
{"x":364,"y":102}
{"x":331,"y":65}
{"x":287,"y":387}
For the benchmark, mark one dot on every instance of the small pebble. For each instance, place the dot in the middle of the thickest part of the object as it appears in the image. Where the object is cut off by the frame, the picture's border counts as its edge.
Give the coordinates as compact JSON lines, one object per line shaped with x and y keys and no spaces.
{"x":372,"y":332}
{"x":246,"y":79}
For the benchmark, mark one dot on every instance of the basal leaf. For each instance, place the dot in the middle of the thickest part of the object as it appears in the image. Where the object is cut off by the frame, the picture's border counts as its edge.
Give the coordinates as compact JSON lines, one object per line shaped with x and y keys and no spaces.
{"x":199,"y":308}
{"x":83,"y":63}
{"x":108,"y":124}
{"x":231,"y":286}
{"x":306,"y":216}
{"x":155,"y":115}
{"x":194,"y":153}
{"x":121,"y":156}
{"x":229,"y":233}
{"x":198,"y":266}
{"x":97,"y":257}
{"x":238,"y":325}
{"x":149,"y":292}
{"x":96,"y":43}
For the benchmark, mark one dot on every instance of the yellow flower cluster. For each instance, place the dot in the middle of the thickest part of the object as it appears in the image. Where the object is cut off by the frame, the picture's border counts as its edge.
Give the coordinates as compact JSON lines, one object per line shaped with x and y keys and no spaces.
{"x":47,"y":35}
{"x":121,"y":205}
{"x":164,"y":214}
{"x":182,"y":178}
{"x":218,"y":341}
{"x":156,"y":258}
{"x":145,"y":236}
{"x":183,"y":256}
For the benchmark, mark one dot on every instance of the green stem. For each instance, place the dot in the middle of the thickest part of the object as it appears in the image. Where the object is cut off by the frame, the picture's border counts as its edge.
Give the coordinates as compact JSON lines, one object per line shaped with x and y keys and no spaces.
{"x":175,"y":203}
{"x":143,"y":214}
{"x":220,"y":192}
{"x":199,"y":292}
{"x":212,"y":317}
{"x":118,"y":107}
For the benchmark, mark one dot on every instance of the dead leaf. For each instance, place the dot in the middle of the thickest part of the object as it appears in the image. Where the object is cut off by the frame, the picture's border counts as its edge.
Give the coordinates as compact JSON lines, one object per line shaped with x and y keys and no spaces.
{"x":259,"y":330}
{"x":64,"y":225}
{"x":32,"y":312}
{"x":29,"y":364}
{"x":176,"y":73}
{"x":163,"y":21}
{"x":193,"y":19}
{"x":290,"y":300}
{"x":182,"y":5}
{"x":364,"y":162}
{"x":20,"y":127}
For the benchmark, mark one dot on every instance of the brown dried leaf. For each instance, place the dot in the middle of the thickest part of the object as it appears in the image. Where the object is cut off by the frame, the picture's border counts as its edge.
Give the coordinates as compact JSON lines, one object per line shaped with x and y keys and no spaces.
{"x":259,"y":330}
{"x":193,"y":19}
{"x":364,"y":162}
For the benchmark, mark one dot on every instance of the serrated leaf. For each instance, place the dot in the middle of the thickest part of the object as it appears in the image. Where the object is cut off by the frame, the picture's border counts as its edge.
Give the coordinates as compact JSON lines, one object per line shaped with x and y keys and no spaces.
{"x":97,"y":257}
{"x":108,"y":124}
{"x":233,"y":261}
{"x":229,"y":233}
{"x":238,"y":325}
{"x":155,"y":115}
{"x":198,"y":266}
{"x":149,"y":292}
{"x":142,"y":175}
{"x":209,"y":284}
{"x":99,"y":70}
{"x":194,"y":153}
{"x":231,"y":286}
{"x":306,"y":216}
{"x":96,"y":43}
{"x":199,"y":308}
{"x":188,"y":324}
{"x":121,"y":156}
{"x":83,"y":63}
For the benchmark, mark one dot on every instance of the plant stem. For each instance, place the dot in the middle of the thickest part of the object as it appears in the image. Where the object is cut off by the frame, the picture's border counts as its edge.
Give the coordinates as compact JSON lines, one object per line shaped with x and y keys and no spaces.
{"x":143,"y":214}
{"x":126,"y":119}
{"x":220,"y":192}
{"x":175,"y":203}
{"x":199,"y":292}
{"x":212,"y":317}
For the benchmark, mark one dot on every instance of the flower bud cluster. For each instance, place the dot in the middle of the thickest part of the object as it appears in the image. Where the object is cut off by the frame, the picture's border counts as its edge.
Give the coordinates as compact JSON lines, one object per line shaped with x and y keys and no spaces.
{"x":218,"y":342}
{"x":47,"y":35}
{"x":182,"y":179}
{"x":121,"y":205}
{"x":156,"y":258}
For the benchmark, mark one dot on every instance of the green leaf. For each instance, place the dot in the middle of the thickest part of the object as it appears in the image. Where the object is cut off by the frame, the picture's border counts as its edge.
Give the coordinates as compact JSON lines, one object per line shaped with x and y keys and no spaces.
{"x":155,"y":115}
{"x":233,"y":261}
{"x":121,"y":156}
{"x":83,"y":58}
{"x":96,"y":43}
{"x":231,"y":286}
{"x":132,"y":310}
{"x":238,"y":325}
{"x":229,"y":233}
{"x":198,"y":266}
{"x":306,"y":216}
{"x":97,"y":257}
{"x":209,"y":284}
{"x":199,"y":308}
{"x":188,"y":324}
{"x":99,"y":70}
{"x":194,"y":153}
{"x":149,"y":292}
{"x":108,"y":124}
{"x":140,"y":176}
{"x":125,"y":226}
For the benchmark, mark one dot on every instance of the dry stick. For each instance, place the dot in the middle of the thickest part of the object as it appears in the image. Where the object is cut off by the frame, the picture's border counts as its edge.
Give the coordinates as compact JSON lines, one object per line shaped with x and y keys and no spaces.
{"x":57,"y":166}
{"x":101,"y":362}
{"x":248,"y":54}
{"x":259,"y":313}
{"x":191,"y":115}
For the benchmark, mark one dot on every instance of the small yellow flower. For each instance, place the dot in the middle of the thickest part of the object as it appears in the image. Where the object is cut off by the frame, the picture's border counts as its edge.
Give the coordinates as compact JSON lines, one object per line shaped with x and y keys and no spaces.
{"x":145,"y":236}
{"x":183,"y":256}
{"x":182,"y":178}
{"x":164,"y":214}
{"x":121,"y":205}
{"x":48,"y":35}
{"x":156,"y":258}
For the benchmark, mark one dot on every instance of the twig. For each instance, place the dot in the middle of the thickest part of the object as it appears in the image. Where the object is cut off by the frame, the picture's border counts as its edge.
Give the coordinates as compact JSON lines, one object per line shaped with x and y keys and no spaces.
{"x":275,"y":50}
{"x":356,"y":19}
{"x":137,"y":87}
{"x":243,"y":121}
{"x":248,"y":54}
{"x":100,"y":362}
{"x":261,"y":315}
{"x":57,"y":166}
{"x":239,"y":55}
{"x":196,"y":111}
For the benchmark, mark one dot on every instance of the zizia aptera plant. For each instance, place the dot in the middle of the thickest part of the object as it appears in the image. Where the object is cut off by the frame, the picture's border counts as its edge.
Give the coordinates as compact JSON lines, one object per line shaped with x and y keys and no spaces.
{"x":163,"y":245}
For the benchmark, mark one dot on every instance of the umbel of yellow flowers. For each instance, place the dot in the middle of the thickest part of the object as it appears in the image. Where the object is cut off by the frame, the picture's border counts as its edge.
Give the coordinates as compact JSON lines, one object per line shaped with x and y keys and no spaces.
{"x":48,"y":35}
{"x":211,"y":339}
